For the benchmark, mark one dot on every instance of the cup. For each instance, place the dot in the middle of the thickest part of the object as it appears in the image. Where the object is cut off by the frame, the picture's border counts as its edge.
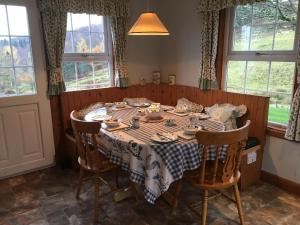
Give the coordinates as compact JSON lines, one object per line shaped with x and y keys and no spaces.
{"x":170,"y":122}
{"x":135,"y":122}
{"x":193,"y":120}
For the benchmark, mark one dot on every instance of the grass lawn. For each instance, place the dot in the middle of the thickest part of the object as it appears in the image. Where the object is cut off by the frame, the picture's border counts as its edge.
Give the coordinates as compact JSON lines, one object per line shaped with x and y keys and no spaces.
{"x":278,"y":115}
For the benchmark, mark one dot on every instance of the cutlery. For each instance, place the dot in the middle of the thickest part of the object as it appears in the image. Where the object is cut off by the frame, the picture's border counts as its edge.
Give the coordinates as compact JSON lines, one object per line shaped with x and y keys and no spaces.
{"x":163,"y":137}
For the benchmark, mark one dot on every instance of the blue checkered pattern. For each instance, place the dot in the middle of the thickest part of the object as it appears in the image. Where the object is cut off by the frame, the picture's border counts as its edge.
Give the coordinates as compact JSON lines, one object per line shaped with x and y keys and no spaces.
{"x":184,"y":156}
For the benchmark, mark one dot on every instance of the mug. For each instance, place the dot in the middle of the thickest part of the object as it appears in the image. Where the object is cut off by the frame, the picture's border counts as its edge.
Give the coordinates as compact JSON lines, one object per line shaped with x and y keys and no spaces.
{"x":135,"y":122}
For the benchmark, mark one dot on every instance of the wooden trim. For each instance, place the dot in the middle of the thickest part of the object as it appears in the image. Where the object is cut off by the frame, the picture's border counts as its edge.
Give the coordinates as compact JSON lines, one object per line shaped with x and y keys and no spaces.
{"x":274,"y":131}
{"x":280,"y":182}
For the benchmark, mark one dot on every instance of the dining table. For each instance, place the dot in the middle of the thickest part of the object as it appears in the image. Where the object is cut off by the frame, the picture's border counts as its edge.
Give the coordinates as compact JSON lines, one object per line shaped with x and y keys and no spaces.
{"x":153,"y":165}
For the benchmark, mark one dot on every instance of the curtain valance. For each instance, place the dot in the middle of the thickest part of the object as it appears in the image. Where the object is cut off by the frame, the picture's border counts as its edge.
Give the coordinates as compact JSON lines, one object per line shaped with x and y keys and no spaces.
{"x":54,"y":21}
{"x":217,"y":5}
{"x":118,"y":8}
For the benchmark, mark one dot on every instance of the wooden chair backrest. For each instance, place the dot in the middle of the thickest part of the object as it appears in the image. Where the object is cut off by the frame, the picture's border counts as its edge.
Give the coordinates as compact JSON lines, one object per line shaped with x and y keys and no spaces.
{"x":222,"y":170}
{"x":85,"y":134}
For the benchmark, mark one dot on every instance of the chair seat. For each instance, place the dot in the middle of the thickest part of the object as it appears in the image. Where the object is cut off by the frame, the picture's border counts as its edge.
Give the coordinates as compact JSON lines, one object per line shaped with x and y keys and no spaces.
{"x":193,"y":177}
{"x":98,"y":164}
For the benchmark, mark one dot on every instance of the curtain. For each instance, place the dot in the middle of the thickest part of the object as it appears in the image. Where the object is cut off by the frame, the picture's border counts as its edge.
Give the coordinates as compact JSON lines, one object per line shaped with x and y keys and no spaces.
{"x":119,"y":33}
{"x":54,"y":21}
{"x":210,"y":11}
{"x":54,"y":29}
{"x":209,"y":45}
{"x":293,"y":129}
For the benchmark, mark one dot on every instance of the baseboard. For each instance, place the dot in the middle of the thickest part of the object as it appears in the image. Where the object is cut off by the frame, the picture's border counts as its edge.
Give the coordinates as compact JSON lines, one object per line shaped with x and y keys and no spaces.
{"x":280,"y":182}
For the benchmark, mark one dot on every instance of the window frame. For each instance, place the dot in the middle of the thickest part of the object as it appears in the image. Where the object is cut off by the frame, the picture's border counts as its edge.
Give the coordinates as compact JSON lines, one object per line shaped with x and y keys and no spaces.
{"x":270,"y":56}
{"x":90,"y":57}
{"x":30,"y":37}
{"x":273,"y":129}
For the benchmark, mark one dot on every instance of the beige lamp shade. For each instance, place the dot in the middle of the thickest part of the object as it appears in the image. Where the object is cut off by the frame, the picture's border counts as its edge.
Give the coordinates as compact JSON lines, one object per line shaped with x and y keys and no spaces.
{"x":148,"y":24}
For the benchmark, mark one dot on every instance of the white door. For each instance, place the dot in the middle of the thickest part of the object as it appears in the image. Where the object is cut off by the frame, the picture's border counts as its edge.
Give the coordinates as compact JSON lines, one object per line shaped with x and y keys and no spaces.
{"x":26,"y":135}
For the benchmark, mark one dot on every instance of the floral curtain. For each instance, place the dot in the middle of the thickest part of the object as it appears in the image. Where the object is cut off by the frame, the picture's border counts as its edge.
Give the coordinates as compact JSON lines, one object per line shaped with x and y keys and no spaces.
{"x":210,"y":11}
{"x":119,"y":33}
{"x":209,"y":45}
{"x":54,"y":20}
{"x":293,"y":129}
{"x":54,"y":28}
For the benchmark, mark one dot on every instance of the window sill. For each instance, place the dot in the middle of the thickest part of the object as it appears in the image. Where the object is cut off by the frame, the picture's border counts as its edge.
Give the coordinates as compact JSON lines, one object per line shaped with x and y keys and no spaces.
{"x":276,"y":131}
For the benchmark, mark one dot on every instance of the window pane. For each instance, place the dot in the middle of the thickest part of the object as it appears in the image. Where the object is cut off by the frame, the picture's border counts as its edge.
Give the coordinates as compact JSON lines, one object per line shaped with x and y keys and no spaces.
{"x":85,"y":74}
{"x":80,"y":22}
{"x":102,"y":78}
{"x":21,"y":51}
{"x":262,"y":38}
{"x":68,"y":43}
{"x":243,"y":16}
{"x":279,"y":108}
{"x":264,"y":13}
{"x":274,"y":79}
{"x":69,"y":71}
{"x":282,"y":77}
{"x":17,"y":19}
{"x":7,"y":82}
{"x":25,"y":80}
{"x":81,"y":42}
{"x":3,"y":21}
{"x":241,"y":38}
{"x":69,"y":22}
{"x":97,"y":43}
{"x":284,"y":37}
{"x":272,"y":25}
{"x":5,"y":52}
{"x":96,"y":23}
{"x":236,"y":74}
{"x":257,"y":76}
{"x":287,"y":11}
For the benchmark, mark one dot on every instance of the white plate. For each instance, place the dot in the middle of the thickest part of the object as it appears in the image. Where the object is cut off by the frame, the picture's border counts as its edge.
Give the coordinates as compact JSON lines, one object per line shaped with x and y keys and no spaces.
{"x":191,"y":131}
{"x":143,"y":104}
{"x":101,"y":117}
{"x":165,"y":138}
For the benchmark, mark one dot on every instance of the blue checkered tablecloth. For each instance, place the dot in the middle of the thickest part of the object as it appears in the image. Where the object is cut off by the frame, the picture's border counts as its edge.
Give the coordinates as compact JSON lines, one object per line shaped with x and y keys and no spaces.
{"x":155,"y":166}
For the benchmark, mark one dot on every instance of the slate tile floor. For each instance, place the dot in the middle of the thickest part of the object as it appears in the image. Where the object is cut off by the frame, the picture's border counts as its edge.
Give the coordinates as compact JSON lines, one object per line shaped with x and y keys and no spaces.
{"x":47,"y":197}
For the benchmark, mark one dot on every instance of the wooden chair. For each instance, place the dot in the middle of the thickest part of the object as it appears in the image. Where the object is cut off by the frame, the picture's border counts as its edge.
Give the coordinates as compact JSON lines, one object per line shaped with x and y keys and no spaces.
{"x":90,"y":159}
{"x":219,"y":173}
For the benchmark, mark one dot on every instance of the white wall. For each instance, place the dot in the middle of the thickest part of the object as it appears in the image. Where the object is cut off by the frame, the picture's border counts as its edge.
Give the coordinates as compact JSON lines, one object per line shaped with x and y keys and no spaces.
{"x":181,"y":51}
{"x":143,"y":52}
{"x":180,"y":54}
{"x":282,"y":157}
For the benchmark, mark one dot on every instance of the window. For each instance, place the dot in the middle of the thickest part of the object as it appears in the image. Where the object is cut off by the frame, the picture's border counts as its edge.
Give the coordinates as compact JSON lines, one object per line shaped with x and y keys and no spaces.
{"x":87,"y":54}
{"x":262,"y":52}
{"x":16,"y":64}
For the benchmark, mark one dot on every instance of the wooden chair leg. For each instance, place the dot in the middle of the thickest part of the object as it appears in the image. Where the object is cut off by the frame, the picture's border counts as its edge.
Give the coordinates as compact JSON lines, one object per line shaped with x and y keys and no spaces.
{"x":80,"y":181}
{"x":238,"y":203}
{"x":176,"y":194}
{"x":204,"y":206}
{"x":117,"y":178}
{"x":134,"y":191}
{"x":97,"y":182}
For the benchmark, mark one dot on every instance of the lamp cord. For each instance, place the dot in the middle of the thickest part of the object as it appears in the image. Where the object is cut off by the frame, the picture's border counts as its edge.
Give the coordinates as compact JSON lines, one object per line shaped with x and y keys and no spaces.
{"x":148,"y":5}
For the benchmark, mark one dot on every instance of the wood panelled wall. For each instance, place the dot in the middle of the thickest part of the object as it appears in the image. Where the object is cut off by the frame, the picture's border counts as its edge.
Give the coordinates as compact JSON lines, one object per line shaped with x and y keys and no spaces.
{"x":62,"y":106}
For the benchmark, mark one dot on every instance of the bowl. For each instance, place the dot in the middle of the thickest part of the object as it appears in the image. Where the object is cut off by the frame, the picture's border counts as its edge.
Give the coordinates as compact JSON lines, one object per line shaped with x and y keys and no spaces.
{"x":120,"y":104}
{"x":111,"y":122}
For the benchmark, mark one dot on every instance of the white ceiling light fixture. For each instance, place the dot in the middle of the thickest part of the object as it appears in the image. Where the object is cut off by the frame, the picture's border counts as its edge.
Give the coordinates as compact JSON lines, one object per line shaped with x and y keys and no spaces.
{"x":148,"y":24}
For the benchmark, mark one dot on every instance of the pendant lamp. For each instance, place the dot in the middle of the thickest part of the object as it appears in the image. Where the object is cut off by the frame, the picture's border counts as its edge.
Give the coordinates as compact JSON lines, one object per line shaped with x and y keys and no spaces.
{"x":148,"y":24}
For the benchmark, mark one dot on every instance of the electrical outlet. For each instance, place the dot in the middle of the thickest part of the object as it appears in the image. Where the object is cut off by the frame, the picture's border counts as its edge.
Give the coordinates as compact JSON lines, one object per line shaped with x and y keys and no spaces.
{"x":251,"y":157}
